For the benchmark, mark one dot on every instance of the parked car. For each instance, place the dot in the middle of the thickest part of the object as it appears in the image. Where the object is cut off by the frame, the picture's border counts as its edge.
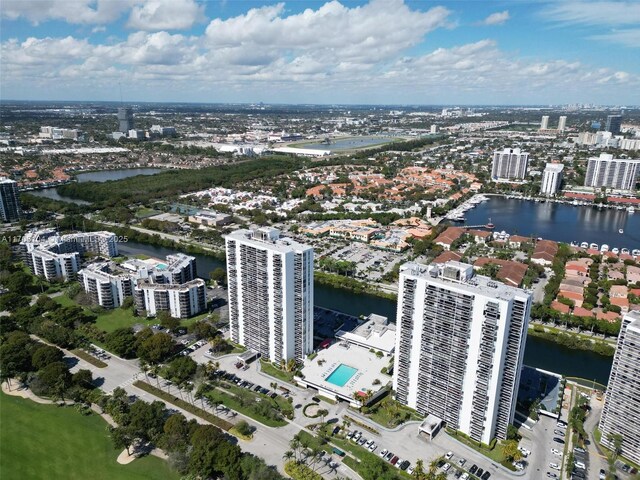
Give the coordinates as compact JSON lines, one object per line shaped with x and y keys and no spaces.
{"x":551,"y":475}
{"x":394,"y":460}
{"x":448,"y":455}
{"x":404,"y":465}
{"x":558,"y":440}
{"x":390,"y":456}
{"x":384,"y":452}
{"x":479,"y":472}
{"x":486,"y":476}
{"x":555,"y":466}
{"x":579,"y":450}
{"x":461,"y":462}
{"x":473,"y":469}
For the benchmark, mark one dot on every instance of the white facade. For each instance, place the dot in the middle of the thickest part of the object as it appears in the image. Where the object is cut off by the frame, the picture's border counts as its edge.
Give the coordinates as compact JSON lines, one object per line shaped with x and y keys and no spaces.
{"x":551,"y":178}
{"x":609,"y":172}
{"x":509,"y":164}
{"x":181,"y":301}
{"x":270,"y":285}
{"x":105,"y":288}
{"x":622,"y":402}
{"x":544,"y":123}
{"x":54,"y":266}
{"x":460,"y":341}
{"x":562,"y":123}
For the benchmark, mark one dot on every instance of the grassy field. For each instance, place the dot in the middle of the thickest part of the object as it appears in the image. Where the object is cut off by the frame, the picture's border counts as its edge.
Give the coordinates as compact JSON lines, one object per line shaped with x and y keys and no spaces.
{"x":269,"y":369}
{"x":49,"y":442}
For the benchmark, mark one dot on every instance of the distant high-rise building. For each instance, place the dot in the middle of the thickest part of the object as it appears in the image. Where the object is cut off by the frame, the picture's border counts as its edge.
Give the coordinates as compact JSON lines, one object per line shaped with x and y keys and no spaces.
{"x":125,"y":119}
{"x":509,"y":164}
{"x":460,"y":342}
{"x":544,"y":124}
{"x":270,"y":285}
{"x":622,"y":402}
{"x":562,"y":123}
{"x":434,"y":129}
{"x":613,"y":124}
{"x":609,"y":172}
{"x":9,"y":200}
{"x":551,"y":178}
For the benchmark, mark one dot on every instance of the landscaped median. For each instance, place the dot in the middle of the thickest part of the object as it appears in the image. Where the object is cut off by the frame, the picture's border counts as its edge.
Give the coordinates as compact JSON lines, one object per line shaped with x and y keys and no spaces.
{"x":299,"y":471}
{"x":209,"y":417}
{"x":87,"y":357}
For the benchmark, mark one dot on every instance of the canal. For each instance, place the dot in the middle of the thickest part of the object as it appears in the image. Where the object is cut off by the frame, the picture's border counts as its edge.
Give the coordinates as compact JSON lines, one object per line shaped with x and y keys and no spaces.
{"x":539,"y":353}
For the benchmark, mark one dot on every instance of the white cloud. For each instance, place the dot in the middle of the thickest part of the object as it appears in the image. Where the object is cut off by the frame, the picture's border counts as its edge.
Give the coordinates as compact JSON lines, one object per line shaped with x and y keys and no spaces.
{"x":71,"y":11}
{"x":498,"y":18}
{"x":166,"y":15}
{"x":599,"y":13}
{"x":628,"y":37}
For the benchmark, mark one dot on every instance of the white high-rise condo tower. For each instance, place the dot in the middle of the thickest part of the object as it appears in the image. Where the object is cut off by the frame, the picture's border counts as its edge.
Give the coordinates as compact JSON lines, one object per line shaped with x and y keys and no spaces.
{"x":562,"y":123}
{"x":270,"y":285}
{"x":544,"y":124}
{"x":509,"y":164}
{"x":609,"y":172}
{"x":622,"y":400}
{"x":460,"y":341}
{"x":551,"y":178}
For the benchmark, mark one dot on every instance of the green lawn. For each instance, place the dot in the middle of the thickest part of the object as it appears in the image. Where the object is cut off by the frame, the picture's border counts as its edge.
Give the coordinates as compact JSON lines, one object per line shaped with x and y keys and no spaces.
{"x":269,"y":369}
{"x":49,"y":442}
{"x":231,"y":401}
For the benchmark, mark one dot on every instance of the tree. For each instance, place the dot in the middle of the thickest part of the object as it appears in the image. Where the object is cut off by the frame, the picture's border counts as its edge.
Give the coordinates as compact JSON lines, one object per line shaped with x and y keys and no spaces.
{"x":18,"y":282}
{"x":418,"y":471}
{"x":510,"y":451}
{"x":212,"y":455}
{"x":83,"y":378}
{"x":12,"y":301}
{"x":203,"y":329}
{"x":219,"y":276}
{"x":15,"y":354}
{"x":146,"y":420}
{"x":323,"y":413}
{"x":156,"y":348}
{"x":181,"y":369}
{"x":512,"y":432}
{"x":175,"y":434}
{"x":121,"y":342}
{"x":45,"y":355}
{"x":243,"y":428}
{"x":122,"y":437}
{"x":55,"y":378}
{"x":167,"y":321}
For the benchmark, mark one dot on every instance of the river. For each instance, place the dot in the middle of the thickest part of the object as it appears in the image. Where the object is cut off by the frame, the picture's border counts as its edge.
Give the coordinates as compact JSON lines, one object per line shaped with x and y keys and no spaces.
{"x":100,"y":176}
{"x":538,"y":353}
{"x":559,"y":221}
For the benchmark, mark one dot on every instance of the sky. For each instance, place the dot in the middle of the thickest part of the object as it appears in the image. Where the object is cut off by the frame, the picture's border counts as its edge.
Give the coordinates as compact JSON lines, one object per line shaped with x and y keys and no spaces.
{"x":414,"y":52}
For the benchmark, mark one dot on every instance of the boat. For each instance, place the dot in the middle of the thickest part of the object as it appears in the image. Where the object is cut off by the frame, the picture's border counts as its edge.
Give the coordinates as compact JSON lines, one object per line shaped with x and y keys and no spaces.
{"x":624,"y":251}
{"x":490,"y":225}
{"x":604,"y":248}
{"x":615,"y":250}
{"x":631,"y":209}
{"x":574,"y":244}
{"x":593,"y":246}
{"x":584,"y":245}
{"x":621,"y":231}
{"x":635,"y":252}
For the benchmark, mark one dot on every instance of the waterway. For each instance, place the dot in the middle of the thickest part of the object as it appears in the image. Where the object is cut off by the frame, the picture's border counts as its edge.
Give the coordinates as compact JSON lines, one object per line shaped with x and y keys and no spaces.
{"x":559,"y":221}
{"x":538,"y":353}
{"x":350,"y":143}
{"x":100,"y":176}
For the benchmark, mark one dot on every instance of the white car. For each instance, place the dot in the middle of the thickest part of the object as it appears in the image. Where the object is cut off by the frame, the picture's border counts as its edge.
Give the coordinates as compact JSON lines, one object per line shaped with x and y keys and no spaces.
{"x":555,"y":466}
{"x":410,"y":470}
{"x":555,"y":451}
{"x":448,"y":455}
{"x":464,"y":476}
{"x":518,"y":466}
{"x":372,"y":447}
{"x":525,"y":453}
{"x":384,"y":452}
{"x":446,"y":467}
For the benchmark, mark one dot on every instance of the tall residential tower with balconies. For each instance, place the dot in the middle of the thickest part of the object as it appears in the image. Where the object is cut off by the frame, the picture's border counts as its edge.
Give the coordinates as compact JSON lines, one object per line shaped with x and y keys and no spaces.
{"x":460,"y":341}
{"x":270,"y":285}
{"x":622,"y":402}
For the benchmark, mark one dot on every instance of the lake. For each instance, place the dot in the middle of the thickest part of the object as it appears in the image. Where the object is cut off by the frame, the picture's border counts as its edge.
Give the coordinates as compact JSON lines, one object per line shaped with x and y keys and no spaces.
{"x":538,"y":353}
{"x":559,"y":221}
{"x":100,"y":176}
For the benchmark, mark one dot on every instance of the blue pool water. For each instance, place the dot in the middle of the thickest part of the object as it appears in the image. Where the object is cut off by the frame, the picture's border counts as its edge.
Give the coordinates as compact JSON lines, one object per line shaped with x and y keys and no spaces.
{"x":341,"y":375}
{"x":161,"y":266}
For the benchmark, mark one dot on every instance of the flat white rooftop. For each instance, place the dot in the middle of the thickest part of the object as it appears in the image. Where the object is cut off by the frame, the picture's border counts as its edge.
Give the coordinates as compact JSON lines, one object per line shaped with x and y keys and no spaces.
{"x":376,"y":333}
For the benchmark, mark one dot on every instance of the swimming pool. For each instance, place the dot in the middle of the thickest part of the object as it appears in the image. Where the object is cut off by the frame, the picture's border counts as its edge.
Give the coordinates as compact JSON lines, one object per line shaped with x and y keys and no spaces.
{"x":161,"y":266}
{"x":341,"y":375}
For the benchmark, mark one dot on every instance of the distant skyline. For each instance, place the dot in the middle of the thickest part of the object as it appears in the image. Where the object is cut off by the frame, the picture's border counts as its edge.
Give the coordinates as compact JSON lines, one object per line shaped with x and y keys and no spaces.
{"x":316,"y":52}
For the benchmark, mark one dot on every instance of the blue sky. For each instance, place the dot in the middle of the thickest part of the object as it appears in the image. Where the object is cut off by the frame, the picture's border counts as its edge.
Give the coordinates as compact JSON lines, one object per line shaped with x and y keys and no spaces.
{"x":378,"y":51}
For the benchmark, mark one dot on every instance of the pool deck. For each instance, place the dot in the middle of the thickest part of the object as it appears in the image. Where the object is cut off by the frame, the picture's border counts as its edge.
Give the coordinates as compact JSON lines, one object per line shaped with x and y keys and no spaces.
{"x":368,"y":365}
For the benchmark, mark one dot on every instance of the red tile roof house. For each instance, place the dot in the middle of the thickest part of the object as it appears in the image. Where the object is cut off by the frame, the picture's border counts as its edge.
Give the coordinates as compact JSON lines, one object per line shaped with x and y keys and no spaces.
{"x":544,"y":252}
{"x":582,"y":312}
{"x":560,"y":307}
{"x":609,"y":316}
{"x":576,"y":297}
{"x":450,"y":235}
{"x":444,"y":257}
{"x":480,"y":236}
{"x":517,"y":240}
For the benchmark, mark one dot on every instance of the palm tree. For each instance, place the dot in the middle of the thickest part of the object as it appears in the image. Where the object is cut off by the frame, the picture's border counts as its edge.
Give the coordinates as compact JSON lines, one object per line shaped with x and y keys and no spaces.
{"x":295,"y":445}
{"x":288,"y":455}
{"x":144,"y":366}
{"x":510,"y":451}
{"x":418,"y":471}
{"x":323,"y":413}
